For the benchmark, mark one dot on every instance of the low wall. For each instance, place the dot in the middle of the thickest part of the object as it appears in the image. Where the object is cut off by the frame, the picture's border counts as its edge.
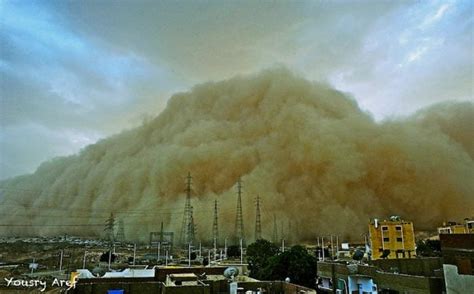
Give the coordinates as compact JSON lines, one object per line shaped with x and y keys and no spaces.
{"x":410,"y":266}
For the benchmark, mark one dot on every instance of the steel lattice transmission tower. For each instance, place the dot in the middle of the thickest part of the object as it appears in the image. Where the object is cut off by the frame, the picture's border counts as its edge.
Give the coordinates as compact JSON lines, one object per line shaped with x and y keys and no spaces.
{"x":185,"y":234}
{"x":239,"y":220}
{"x":258,"y":222}
{"x":191,"y":234}
{"x":275,"y":230}
{"x":121,"y":231}
{"x":215,"y":228}
{"x":110,"y":228}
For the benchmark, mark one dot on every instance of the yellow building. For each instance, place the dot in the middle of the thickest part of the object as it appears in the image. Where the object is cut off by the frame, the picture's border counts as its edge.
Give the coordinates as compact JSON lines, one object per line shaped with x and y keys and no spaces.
{"x":469,"y":225}
{"x":393,"y":238}
{"x":457,"y":228}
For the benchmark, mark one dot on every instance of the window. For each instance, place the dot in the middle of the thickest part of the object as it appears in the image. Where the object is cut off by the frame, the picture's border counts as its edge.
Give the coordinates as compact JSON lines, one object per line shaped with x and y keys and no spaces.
{"x":384,"y":228}
{"x":444,"y":230}
{"x":398,"y":228}
{"x":386,"y":239}
{"x":399,"y":239}
{"x":380,"y":249}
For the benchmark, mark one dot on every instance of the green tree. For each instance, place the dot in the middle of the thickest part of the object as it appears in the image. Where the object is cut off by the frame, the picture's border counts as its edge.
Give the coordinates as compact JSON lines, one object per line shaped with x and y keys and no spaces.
{"x":105,"y":257}
{"x":296,"y":264}
{"x":258,"y":256}
{"x":428,"y":248}
{"x":233,"y":251}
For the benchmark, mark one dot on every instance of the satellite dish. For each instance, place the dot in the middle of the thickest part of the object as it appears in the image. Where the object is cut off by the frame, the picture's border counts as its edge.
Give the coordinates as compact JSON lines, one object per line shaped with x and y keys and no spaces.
{"x":358,"y":254}
{"x":287,"y":279}
{"x":231,"y":272}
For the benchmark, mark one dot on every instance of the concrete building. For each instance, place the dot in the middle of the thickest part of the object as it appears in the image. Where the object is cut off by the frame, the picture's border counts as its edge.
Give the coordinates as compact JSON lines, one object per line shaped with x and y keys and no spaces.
{"x":393,"y":238}
{"x":456,"y":282}
{"x":458,"y":256}
{"x":458,"y":250}
{"x":467,"y":227}
{"x":393,"y":276}
{"x":181,"y":280}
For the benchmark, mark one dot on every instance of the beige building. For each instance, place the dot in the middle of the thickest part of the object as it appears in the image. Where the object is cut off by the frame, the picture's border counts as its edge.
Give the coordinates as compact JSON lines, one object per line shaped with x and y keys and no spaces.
{"x":457,"y":228}
{"x":393,"y":238}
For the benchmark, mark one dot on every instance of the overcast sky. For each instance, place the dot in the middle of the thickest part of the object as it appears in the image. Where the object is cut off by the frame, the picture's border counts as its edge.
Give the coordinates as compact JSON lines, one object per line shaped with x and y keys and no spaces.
{"x":73,"y":72}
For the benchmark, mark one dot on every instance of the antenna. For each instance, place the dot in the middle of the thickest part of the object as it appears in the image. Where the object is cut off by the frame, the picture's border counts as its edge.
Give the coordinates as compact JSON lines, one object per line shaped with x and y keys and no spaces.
{"x":258,"y":222}
{"x":215,"y":228}
{"x":239,"y":222}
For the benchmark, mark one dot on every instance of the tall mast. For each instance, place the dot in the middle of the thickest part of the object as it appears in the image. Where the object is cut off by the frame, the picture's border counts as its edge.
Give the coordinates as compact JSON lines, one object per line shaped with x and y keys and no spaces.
{"x":258,"y":223}
{"x":239,"y":221}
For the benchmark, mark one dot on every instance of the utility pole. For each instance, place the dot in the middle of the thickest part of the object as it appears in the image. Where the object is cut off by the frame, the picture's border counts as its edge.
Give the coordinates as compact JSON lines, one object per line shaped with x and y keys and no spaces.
{"x":319,"y":250}
{"x":239,"y":221}
{"x":258,"y":222}
{"x":185,"y":226}
{"x":61,"y":260}
{"x":225,"y":248}
{"x":241,"y":252}
{"x":215,"y":228}
{"x":322,"y":243}
{"x":134,"y":252}
{"x":158,"y":249}
{"x":215,"y":250}
{"x":84,"y":260}
{"x":110,"y":258}
{"x":161,"y":232}
{"x":332,"y":248}
{"x":189,"y":255}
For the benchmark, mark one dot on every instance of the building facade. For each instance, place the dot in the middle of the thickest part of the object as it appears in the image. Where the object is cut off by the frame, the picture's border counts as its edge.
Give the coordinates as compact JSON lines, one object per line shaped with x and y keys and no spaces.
{"x":393,"y":238}
{"x":457,"y":228}
{"x":420,"y":276}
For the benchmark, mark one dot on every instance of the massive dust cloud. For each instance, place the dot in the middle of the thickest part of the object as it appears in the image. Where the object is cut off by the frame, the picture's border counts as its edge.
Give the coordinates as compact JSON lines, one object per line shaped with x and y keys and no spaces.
{"x":319,"y":164}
